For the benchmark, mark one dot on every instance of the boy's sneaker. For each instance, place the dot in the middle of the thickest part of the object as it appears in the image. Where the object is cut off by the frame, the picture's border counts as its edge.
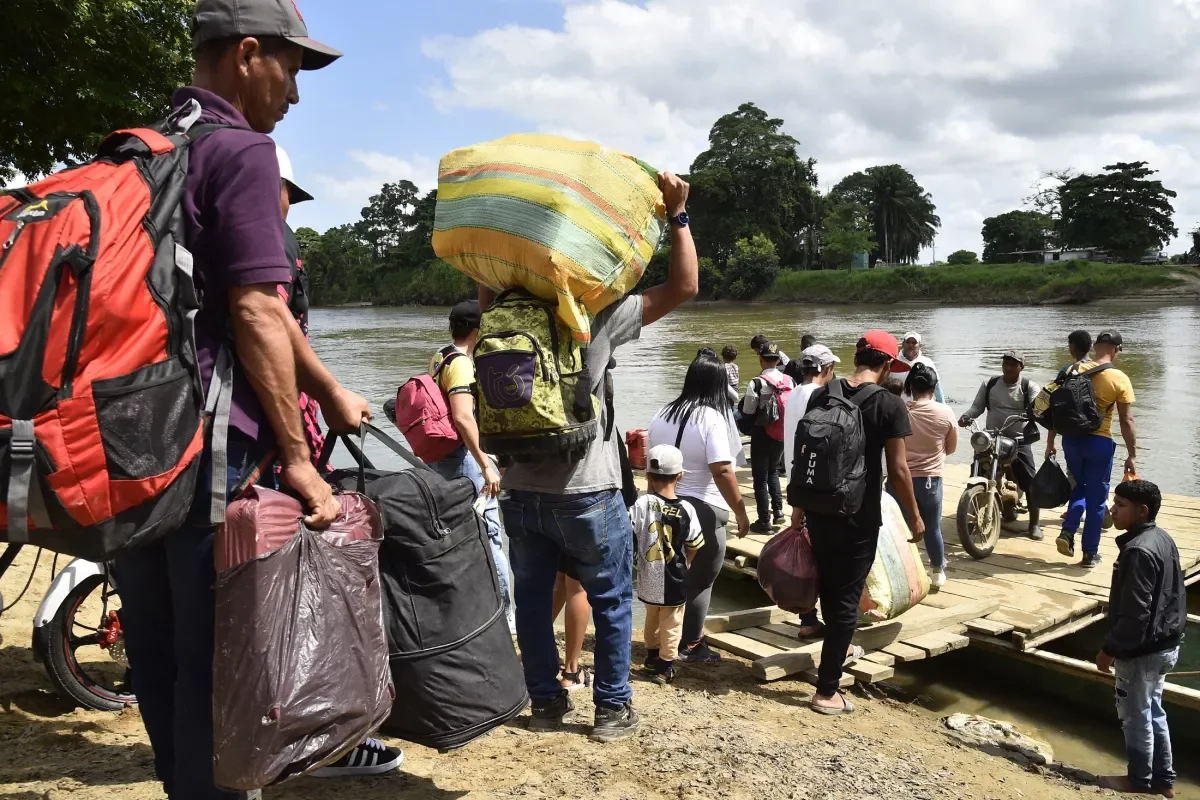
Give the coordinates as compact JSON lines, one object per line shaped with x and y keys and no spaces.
{"x":1091,"y":560}
{"x":614,"y":724}
{"x":372,"y":757}
{"x":1066,"y":545}
{"x":651,"y":658}
{"x":548,"y":716}
{"x":761,"y":526}
{"x":699,"y":653}
{"x":664,"y":673}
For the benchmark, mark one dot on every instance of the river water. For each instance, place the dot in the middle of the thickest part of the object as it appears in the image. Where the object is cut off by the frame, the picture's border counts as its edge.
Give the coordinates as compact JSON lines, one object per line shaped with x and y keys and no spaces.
{"x":373,"y":350}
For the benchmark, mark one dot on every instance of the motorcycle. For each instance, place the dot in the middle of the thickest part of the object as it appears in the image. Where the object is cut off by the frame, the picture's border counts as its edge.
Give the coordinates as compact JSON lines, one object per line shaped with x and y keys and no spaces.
{"x":990,"y":497}
{"x":77,"y":634}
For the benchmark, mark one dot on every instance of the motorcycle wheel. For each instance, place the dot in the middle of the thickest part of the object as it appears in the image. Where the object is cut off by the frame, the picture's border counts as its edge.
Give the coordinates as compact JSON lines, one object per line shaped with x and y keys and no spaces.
{"x":100,"y":680}
{"x":978,"y":521}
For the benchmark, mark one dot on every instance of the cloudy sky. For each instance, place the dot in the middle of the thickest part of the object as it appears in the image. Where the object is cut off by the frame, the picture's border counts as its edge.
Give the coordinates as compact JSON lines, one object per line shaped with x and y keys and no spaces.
{"x":976,"y":99}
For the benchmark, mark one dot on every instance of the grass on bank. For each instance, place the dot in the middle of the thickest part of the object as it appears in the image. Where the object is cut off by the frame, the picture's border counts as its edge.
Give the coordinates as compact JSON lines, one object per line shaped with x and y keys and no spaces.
{"x":1063,"y":282}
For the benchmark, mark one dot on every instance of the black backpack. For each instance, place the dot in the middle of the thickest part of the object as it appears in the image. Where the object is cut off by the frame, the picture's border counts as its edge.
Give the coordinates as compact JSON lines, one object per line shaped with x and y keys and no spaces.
{"x":829,"y":473}
{"x":1073,"y":409}
{"x":456,"y":672}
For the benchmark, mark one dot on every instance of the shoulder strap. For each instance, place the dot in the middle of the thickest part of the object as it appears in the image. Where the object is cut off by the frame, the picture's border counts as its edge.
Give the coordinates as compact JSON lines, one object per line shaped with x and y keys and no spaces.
{"x":865,"y":393}
{"x":835,"y":389}
{"x":1025,"y":392}
{"x":449,"y":353}
{"x":682,"y":424}
{"x":987,"y":396}
{"x":357,"y":452}
{"x":1098,"y":368}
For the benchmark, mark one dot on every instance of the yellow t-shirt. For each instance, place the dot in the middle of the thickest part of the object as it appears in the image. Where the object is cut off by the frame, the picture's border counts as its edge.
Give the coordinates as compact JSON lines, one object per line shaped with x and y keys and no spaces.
{"x":1111,"y":387}
{"x":458,"y":376}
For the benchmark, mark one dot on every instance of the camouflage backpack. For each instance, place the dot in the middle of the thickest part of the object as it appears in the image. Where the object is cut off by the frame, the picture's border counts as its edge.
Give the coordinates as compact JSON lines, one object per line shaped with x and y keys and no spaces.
{"x":527,"y":369}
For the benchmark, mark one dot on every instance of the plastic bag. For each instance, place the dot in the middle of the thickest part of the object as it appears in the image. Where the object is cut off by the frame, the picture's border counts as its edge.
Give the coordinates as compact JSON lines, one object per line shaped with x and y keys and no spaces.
{"x":897,"y":580}
{"x":300,"y":669}
{"x":787,"y":571}
{"x":1051,"y":487}
{"x":570,"y":222}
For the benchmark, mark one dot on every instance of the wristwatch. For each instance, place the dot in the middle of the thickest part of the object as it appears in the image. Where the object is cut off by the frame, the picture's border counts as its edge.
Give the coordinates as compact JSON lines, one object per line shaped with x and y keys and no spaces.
{"x":681,"y":219}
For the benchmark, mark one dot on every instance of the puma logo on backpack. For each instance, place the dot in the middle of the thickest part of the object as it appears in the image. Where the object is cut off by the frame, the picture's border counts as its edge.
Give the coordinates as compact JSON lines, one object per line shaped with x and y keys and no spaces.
{"x":829,"y":472}
{"x":527,"y":368}
{"x":100,"y":396}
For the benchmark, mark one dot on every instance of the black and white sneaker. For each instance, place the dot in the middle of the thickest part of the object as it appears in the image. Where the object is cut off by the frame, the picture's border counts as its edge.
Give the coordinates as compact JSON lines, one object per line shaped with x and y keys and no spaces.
{"x":372,"y":757}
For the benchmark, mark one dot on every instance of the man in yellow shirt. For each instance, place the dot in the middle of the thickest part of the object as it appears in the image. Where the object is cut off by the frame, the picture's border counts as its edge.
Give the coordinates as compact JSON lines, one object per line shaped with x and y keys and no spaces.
{"x":1090,"y":456}
{"x":454,"y":371}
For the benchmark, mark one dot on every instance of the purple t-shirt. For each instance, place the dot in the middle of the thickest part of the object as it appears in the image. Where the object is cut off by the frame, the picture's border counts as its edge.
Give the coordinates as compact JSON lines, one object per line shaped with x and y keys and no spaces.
{"x":234,"y":231}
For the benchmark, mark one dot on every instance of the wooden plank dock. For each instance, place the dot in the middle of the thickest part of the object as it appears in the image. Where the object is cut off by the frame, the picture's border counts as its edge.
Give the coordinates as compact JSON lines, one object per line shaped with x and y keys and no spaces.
{"x":1017,"y":600}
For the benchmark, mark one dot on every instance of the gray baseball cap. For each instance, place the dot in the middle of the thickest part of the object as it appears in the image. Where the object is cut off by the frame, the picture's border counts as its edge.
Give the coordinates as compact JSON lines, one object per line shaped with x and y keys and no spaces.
{"x":226,"y":19}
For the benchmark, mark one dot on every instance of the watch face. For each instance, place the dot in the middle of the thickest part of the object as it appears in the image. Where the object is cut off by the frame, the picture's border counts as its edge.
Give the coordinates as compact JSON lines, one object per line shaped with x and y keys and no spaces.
{"x":682,"y":218}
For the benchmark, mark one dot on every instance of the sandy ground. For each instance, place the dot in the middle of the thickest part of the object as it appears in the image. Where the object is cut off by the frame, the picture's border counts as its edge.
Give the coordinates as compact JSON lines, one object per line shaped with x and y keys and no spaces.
{"x":715,"y":733}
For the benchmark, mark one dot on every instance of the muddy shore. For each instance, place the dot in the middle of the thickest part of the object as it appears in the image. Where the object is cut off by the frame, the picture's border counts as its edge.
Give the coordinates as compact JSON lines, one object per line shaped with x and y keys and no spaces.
{"x":715,"y":733}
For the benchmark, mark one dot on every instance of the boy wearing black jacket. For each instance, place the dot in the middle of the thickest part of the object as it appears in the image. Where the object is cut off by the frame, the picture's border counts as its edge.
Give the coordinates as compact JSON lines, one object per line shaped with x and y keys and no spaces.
{"x":1147,"y":613}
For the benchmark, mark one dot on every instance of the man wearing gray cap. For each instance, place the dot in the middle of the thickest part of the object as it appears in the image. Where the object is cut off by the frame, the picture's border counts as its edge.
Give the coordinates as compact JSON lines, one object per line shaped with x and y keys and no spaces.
{"x":248,"y":53}
{"x":1004,"y":397}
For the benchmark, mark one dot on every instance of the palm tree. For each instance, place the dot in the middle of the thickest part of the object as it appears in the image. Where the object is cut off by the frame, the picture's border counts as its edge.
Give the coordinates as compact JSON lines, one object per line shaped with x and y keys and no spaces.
{"x":902,"y":211}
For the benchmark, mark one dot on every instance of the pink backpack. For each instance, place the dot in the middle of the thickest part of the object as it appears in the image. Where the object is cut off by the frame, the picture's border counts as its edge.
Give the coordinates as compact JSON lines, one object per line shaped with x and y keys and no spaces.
{"x":423,"y":415}
{"x":774,"y":415}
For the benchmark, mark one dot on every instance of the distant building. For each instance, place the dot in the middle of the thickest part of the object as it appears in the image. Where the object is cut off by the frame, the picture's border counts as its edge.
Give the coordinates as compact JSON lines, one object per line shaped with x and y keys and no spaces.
{"x":1048,"y":256}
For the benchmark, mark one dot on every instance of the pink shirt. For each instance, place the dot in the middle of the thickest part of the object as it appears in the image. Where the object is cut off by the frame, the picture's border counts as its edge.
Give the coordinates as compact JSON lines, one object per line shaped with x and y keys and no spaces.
{"x":934,"y":436}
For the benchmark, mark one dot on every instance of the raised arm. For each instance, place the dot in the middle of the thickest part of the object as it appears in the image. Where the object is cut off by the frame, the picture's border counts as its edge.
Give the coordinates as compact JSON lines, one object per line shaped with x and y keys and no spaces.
{"x":683,"y":280}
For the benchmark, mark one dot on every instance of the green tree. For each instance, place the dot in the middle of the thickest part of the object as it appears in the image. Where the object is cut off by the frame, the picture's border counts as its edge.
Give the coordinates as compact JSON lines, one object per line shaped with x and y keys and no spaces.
{"x":752,"y":267}
{"x":75,"y":70}
{"x":962,"y":257}
{"x":902,"y":212}
{"x":1121,"y":210}
{"x":307,"y":238}
{"x":1016,"y":236}
{"x":341,"y":267}
{"x":848,"y":230}
{"x":750,"y":180}
{"x":387,"y":217}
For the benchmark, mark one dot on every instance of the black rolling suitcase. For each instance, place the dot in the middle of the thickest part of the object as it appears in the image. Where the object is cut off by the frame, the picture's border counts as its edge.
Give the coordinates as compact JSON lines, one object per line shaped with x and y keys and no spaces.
{"x":453,"y":663}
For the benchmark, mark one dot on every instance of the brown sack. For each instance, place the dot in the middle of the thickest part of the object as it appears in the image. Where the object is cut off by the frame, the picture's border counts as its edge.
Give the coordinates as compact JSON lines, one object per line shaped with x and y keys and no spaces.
{"x":300,"y":670}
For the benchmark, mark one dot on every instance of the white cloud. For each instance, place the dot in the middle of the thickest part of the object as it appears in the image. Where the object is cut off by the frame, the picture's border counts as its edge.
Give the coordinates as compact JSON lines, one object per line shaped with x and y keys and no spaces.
{"x":343,"y":195}
{"x":977,"y":99}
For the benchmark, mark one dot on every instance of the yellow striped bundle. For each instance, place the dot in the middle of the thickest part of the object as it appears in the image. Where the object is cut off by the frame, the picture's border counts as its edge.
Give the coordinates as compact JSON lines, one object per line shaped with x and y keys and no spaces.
{"x":570,"y":222}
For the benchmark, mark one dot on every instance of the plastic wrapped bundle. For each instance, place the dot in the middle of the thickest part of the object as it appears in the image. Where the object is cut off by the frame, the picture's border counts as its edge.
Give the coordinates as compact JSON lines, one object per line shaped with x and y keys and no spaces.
{"x":570,"y":222}
{"x":898,"y":580}
{"x":787,"y":571}
{"x":300,"y":672}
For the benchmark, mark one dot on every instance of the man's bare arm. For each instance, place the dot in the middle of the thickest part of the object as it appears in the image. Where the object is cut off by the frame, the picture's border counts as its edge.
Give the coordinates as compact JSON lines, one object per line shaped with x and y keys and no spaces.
{"x":1129,"y":434}
{"x":683,"y":279}
{"x":901,"y":478}
{"x":462,"y":412}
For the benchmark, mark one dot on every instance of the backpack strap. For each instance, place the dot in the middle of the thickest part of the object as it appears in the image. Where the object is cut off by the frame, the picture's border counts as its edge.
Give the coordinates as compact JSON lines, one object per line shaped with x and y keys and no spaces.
{"x":683,"y":424}
{"x":1025,"y":393}
{"x":865,"y":393}
{"x":987,"y":396}
{"x":1087,"y":373}
{"x":217,"y":410}
{"x":24,"y":490}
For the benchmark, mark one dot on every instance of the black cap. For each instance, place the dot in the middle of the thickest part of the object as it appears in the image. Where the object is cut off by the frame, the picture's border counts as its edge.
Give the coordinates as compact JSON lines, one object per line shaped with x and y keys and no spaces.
{"x":226,"y":19}
{"x":769,"y":350}
{"x":1109,"y":337}
{"x":465,"y":315}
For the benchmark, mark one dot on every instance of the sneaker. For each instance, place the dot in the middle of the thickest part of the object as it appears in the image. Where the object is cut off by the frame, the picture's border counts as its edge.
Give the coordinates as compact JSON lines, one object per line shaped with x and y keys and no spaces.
{"x":1091,"y":560}
{"x":938,"y":580}
{"x":1035,"y":533}
{"x":699,"y":653}
{"x":1162,"y":790}
{"x":664,"y":673}
{"x":372,"y":757}
{"x":614,"y":724}
{"x":780,"y":519}
{"x":651,"y":658}
{"x":762,"y":526}
{"x":1066,"y":545}
{"x":548,"y":716}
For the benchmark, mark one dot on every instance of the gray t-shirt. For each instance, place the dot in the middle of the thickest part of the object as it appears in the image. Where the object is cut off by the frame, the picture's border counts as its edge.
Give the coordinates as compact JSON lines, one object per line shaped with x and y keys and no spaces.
{"x":600,"y":469}
{"x":1003,"y":402}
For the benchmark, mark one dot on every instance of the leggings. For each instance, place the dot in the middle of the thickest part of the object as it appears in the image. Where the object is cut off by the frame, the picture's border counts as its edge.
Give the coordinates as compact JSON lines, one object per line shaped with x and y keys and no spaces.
{"x":705,"y":568}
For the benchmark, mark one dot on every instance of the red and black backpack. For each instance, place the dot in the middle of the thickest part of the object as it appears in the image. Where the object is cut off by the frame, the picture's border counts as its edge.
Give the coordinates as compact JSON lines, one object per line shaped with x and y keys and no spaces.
{"x":101,"y":401}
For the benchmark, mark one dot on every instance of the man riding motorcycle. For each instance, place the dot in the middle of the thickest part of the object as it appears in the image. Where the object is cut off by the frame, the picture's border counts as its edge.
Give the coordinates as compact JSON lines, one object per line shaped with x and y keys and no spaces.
{"x":1008,"y":396}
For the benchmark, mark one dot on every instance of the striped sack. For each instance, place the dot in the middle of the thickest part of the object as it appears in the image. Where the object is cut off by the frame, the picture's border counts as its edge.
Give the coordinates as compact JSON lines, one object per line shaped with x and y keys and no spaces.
{"x":898,"y":580}
{"x":570,"y":222}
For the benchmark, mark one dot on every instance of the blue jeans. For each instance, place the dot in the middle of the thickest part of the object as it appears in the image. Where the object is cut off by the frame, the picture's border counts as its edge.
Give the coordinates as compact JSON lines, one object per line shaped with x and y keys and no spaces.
{"x":1090,"y":462}
{"x":929,"y":502}
{"x":593,"y":533}
{"x":167,"y":615}
{"x":460,"y":464}
{"x":1143,"y":718}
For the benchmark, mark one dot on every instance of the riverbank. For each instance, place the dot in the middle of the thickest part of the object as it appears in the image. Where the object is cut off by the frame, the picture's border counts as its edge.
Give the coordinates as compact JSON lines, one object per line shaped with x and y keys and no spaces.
{"x":1064,"y":282}
{"x":716,"y":732}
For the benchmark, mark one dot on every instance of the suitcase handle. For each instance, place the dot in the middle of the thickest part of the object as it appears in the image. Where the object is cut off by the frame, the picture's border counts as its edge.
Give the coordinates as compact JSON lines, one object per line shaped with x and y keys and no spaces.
{"x":359,"y":456}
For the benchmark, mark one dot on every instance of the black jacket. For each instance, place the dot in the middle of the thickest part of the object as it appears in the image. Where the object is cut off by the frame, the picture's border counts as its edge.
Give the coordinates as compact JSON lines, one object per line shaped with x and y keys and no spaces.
{"x":1147,"y":605}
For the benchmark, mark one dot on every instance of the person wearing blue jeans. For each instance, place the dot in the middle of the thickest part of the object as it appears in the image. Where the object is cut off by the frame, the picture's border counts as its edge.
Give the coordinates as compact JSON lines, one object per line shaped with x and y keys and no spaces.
{"x":1147,"y":615}
{"x":460,"y":464}
{"x":558,"y":508}
{"x":1090,"y":462}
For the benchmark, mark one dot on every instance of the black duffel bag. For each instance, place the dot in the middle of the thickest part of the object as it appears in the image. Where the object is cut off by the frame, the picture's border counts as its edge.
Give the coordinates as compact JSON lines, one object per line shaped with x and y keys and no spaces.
{"x":1051,"y":487}
{"x":453,"y":663}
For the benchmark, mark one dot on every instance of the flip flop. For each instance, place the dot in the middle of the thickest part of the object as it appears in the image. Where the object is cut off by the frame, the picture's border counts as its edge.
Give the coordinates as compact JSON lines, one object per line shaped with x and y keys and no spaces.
{"x":855,"y":654}
{"x":847,"y":707}
{"x":818,"y":632}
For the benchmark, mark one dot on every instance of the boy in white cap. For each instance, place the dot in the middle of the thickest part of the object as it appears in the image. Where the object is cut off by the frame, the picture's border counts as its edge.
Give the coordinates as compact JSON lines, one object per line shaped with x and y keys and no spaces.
{"x":667,"y":535}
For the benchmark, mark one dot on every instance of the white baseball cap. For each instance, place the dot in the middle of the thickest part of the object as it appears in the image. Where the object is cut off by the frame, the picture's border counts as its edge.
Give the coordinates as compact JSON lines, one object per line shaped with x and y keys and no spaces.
{"x":818,"y":356}
{"x":295,"y":193}
{"x":912,"y":335}
{"x":664,"y":459}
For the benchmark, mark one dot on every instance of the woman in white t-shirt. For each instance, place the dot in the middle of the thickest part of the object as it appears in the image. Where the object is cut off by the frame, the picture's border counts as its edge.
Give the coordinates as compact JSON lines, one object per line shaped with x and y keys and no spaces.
{"x":700,"y":423}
